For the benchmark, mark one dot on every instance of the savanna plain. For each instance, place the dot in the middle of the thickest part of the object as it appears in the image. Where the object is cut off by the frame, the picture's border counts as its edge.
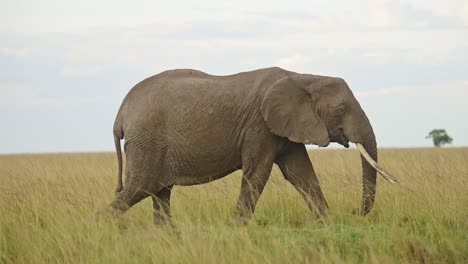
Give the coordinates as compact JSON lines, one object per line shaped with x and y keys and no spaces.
{"x":51,"y":212}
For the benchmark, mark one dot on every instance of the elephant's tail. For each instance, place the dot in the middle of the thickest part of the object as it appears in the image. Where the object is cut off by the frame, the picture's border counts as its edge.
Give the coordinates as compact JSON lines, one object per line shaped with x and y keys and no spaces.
{"x":118,"y":135}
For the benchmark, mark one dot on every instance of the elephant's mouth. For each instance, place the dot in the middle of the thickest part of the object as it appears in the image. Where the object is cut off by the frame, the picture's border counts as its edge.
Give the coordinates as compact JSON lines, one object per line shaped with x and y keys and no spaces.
{"x":339,"y":137}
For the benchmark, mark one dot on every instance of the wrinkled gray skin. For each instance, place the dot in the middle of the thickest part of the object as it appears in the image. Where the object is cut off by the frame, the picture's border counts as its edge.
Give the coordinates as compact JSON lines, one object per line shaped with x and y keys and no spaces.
{"x":186,"y":127}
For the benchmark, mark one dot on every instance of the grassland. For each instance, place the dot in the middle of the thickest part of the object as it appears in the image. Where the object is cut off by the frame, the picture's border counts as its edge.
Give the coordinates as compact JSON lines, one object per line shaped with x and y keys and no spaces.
{"x":49,"y":208}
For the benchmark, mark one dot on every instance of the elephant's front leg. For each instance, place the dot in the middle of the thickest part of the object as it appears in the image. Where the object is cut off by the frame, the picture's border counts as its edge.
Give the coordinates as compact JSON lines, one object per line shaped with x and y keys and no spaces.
{"x":298,"y":170}
{"x":256,"y":169}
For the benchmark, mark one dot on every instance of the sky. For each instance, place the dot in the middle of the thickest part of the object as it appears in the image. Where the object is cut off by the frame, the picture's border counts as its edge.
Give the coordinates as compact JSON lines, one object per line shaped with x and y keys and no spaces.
{"x":65,"y":66}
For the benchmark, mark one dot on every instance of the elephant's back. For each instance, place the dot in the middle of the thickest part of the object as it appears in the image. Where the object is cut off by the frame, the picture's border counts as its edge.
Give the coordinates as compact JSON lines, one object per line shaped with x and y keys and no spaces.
{"x":180,"y":105}
{"x":156,"y":84}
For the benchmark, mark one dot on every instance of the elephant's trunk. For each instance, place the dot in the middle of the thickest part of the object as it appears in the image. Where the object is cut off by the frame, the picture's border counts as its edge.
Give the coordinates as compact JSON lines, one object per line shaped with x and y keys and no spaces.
{"x":369,"y":174}
{"x":370,"y":167}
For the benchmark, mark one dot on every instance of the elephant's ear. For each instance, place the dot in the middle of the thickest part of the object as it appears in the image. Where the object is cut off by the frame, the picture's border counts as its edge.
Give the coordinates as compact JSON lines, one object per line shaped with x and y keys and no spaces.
{"x":290,"y":112}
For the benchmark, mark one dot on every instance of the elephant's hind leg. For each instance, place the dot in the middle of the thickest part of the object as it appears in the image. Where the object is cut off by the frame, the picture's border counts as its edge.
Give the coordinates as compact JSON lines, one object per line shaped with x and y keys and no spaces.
{"x":161,"y":206}
{"x":129,"y":196}
{"x":298,"y":170}
{"x":140,"y":181}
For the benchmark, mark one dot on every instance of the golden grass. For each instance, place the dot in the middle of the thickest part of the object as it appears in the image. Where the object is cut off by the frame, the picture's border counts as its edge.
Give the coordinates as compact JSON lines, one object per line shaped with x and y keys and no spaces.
{"x":50,"y":204}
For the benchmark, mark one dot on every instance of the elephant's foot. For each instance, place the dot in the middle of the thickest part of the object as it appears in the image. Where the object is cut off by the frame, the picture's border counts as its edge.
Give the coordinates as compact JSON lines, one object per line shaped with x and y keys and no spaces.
{"x":108,"y":213}
{"x":360,"y":211}
{"x":241,"y":220}
{"x":162,"y":219}
{"x":317,"y":203}
{"x":117,"y":207}
{"x":243,"y":215}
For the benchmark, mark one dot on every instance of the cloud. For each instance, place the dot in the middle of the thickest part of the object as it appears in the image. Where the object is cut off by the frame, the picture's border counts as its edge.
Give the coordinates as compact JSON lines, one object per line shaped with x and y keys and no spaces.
{"x":385,"y":92}
{"x":15,"y":52}
{"x":386,"y":14}
{"x":376,"y":35}
{"x":381,"y":14}
{"x":295,"y":62}
{"x":456,"y":10}
{"x":81,"y":69}
{"x":458,"y":88}
{"x":14,"y":95}
{"x":331,"y":52}
{"x":453,"y":89}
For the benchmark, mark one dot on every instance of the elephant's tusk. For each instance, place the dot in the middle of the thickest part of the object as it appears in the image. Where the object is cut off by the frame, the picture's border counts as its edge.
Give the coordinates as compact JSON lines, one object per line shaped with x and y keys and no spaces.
{"x":376,"y":166}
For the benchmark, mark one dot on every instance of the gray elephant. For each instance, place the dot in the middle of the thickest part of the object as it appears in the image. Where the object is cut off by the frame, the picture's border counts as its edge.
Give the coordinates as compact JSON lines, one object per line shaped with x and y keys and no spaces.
{"x":186,"y":127}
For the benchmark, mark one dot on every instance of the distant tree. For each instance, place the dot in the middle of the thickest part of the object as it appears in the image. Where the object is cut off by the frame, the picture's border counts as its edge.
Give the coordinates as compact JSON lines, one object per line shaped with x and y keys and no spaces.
{"x":439,"y":137}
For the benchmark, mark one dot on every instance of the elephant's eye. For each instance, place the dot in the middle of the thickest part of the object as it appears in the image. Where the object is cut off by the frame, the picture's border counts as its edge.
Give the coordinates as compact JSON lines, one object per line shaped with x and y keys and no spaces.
{"x":340,"y":110}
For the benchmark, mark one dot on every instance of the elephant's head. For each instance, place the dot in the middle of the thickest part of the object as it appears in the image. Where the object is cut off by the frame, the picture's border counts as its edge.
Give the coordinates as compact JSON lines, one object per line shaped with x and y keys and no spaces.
{"x":318,"y":110}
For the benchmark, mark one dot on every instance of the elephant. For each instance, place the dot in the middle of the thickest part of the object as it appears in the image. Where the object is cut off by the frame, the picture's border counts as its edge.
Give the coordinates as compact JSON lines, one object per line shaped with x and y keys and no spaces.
{"x":186,"y":127}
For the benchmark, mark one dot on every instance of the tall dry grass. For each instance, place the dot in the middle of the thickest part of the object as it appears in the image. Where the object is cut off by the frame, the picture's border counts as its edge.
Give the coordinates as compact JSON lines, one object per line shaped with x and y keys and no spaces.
{"x":50,"y":204}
